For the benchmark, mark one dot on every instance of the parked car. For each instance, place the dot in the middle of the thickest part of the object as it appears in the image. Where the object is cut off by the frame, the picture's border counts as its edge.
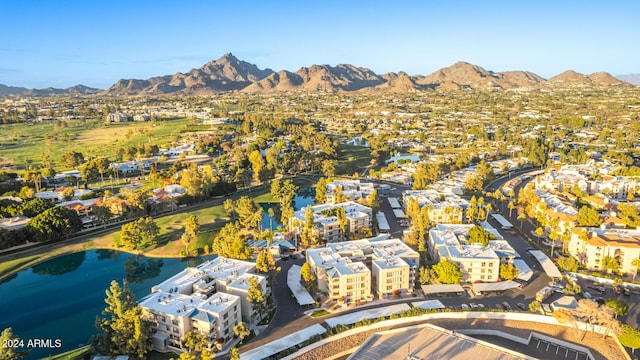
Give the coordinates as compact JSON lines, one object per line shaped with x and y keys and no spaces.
{"x":506,"y":306}
{"x":617,"y":290}
{"x":521,"y":306}
{"x":465,"y":307}
{"x":474,"y":305}
{"x":626,"y":292}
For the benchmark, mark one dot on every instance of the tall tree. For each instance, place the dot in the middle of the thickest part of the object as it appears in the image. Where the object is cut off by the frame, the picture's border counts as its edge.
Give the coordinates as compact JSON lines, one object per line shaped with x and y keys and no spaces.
{"x":124,"y":331}
{"x":256,"y":297}
{"x":307,"y":231}
{"x":321,"y":191}
{"x":257,"y":164}
{"x":55,"y":223}
{"x":265,"y":262}
{"x":508,"y":271}
{"x":9,"y":345}
{"x":229,"y":243}
{"x":478,"y":234}
{"x":307,"y":277}
{"x":343,"y":221}
{"x":230,"y":207}
{"x":447,"y":272}
{"x":588,"y":216}
{"x":196,"y":346}
{"x":139,"y":233}
{"x":617,"y":306}
{"x":241,"y":331}
{"x":246,"y":209}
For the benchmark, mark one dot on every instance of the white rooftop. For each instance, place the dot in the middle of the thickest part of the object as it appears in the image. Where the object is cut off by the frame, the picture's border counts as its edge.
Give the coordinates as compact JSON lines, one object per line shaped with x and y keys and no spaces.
{"x":14,"y":222}
{"x":299,"y":291}
{"x":354,"y":317}
{"x":390,"y":263}
{"x":283,"y":343}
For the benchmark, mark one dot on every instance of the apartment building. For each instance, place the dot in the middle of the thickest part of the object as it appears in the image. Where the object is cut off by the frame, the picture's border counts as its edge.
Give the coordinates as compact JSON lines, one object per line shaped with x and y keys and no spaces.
{"x":350,"y":281}
{"x":392,"y":263}
{"x":591,"y":245}
{"x":175,"y":315}
{"x":444,"y":206}
{"x":326,"y":225}
{"x":210,"y":299}
{"x":348,"y":190}
{"x":476,"y":262}
{"x":392,"y":275}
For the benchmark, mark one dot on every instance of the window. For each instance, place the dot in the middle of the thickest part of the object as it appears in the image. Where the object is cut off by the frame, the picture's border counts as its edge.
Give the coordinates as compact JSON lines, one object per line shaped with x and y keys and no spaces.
{"x":481,"y":277}
{"x":225,"y":316}
{"x":490,"y":264}
{"x":484,"y":264}
{"x":174,"y":322}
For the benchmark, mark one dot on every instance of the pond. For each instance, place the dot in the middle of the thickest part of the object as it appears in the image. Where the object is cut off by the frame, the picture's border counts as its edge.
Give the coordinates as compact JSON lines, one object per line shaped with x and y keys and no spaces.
{"x":304,"y":197}
{"x":60,"y":298}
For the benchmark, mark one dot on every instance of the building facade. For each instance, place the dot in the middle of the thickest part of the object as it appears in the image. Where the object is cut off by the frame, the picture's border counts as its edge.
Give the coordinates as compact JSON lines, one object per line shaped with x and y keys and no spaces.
{"x":326,"y":223}
{"x":209,"y":299}
{"x":590,"y":246}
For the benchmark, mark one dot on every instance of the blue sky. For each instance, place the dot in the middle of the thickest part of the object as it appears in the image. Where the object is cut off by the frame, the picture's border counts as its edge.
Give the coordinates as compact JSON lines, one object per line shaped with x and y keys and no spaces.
{"x":63,"y":43}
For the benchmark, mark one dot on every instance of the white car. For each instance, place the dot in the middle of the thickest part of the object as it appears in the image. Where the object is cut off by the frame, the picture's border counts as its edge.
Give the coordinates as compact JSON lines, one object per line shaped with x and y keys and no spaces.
{"x":464,"y":307}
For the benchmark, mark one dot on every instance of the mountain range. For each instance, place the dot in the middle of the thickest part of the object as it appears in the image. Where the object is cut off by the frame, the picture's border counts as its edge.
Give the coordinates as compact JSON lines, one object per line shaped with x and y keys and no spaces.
{"x":231,"y":74}
{"x":74,"y":90}
{"x":630,"y":78}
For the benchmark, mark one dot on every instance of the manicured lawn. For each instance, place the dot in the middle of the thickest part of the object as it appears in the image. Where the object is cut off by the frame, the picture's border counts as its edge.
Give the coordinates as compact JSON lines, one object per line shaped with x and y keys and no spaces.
{"x":319,"y":313}
{"x":154,"y":355}
{"x":24,"y":143}
{"x":210,"y":217}
{"x":71,"y":354}
{"x":360,"y":154}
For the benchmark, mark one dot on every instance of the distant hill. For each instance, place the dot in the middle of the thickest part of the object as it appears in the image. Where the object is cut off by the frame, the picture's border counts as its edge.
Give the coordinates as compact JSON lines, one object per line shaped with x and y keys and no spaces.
{"x":342,"y":77}
{"x":225,"y":74}
{"x":74,"y":90}
{"x":228,"y":73}
{"x":630,"y":78}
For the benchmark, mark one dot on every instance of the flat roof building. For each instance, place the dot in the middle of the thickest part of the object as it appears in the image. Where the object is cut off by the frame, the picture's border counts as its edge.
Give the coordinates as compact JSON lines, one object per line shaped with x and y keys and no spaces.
{"x":325,"y":220}
{"x":209,"y":299}
{"x":476,"y":262}
{"x":392,"y":263}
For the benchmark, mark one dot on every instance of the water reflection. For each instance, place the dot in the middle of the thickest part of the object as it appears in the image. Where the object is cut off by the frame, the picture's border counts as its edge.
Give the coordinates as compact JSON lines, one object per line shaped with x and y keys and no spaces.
{"x":60,"y":265}
{"x":106,"y":254}
{"x":136,"y":270}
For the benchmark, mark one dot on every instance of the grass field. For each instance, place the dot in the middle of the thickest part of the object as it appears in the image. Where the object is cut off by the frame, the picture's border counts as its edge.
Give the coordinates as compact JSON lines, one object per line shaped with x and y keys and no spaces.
{"x":23,"y":144}
{"x":361,"y":158}
{"x":211,"y":217}
{"x":71,"y":354}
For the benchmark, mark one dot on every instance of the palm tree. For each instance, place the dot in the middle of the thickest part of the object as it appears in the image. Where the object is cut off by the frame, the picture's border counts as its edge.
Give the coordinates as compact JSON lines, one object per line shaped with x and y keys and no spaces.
{"x":489,"y":208}
{"x":271,"y":216}
{"x":539,"y":232}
